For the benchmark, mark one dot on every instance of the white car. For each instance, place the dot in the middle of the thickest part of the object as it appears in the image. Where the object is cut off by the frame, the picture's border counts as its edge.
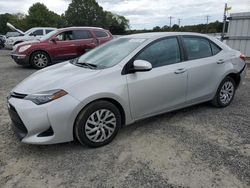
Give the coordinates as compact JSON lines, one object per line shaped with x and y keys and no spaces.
{"x":32,"y":34}
{"x":125,"y":80}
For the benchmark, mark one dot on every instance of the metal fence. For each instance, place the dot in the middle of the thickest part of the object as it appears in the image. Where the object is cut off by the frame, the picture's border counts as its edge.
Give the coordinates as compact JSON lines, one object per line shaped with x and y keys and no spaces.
{"x":238,"y":35}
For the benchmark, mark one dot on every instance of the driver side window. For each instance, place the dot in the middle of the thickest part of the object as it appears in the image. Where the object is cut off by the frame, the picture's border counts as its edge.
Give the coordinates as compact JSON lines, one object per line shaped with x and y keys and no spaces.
{"x":38,"y":32}
{"x":161,"y":53}
{"x":65,"y":36}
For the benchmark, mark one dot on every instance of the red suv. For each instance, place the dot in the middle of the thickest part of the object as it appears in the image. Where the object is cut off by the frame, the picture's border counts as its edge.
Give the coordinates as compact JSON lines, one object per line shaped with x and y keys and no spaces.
{"x":59,"y":45}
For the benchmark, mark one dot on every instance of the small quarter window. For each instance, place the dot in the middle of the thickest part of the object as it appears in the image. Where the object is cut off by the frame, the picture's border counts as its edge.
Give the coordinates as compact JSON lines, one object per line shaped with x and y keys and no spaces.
{"x":215,"y":48}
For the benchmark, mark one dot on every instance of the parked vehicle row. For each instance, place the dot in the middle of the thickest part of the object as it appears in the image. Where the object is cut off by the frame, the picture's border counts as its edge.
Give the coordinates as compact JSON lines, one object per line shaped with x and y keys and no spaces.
{"x":125,"y":80}
{"x":32,"y":34}
{"x":59,"y":45}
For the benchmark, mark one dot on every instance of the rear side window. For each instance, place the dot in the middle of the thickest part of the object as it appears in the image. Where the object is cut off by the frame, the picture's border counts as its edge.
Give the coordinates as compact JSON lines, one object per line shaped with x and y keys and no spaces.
{"x":48,"y":31}
{"x":82,"y":34}
{"x":215,"y":48}
{"x":101,"y":34}
{"x":197,"y":47}
{"x":161,"y":53}
{"x":37,"y":32}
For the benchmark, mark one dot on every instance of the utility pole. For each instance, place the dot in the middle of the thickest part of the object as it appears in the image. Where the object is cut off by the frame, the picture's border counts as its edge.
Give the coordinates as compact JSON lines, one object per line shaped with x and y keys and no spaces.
{"x":179,"y":22}
{"x":170,"y":21}
{"x":224,"y":22}
{"x":207,"y":18}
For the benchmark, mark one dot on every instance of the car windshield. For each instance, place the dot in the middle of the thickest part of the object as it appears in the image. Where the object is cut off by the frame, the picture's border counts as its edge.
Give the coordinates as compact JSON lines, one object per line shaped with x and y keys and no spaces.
{"x":47,"y":36}
{"x":110,"y":54}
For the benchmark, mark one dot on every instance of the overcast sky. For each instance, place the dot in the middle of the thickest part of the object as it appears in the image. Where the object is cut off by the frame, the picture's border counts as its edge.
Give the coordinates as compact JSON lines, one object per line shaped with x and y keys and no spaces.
{"x":145,"y":13}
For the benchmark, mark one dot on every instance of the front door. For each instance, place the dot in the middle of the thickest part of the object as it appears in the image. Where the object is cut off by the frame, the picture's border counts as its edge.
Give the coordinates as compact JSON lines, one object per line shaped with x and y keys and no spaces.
{"x":164,"y":87}
{"x":65,"y":48}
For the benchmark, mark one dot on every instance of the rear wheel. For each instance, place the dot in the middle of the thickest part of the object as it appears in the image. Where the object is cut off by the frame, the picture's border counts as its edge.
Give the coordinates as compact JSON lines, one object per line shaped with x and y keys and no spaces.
{"x":225,"y":93}
{"x":39,"y":60}
{"x":97,"y":124}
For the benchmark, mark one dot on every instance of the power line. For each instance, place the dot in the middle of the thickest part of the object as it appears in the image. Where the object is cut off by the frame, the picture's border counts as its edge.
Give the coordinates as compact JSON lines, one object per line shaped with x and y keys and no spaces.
{"x":179,"y":22}
{"x":207,"y":18}
{"x":170,"y":21}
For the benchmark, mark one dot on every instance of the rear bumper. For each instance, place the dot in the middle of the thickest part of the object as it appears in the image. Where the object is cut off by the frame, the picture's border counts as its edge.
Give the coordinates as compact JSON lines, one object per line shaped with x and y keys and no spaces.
{"x":20,"y":59}
{"x":242,"y":75}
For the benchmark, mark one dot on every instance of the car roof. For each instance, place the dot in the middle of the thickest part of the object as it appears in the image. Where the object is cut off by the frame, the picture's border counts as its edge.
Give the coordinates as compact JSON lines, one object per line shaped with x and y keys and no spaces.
{"x":154,"y":35}
{"x":43,"y":28}
{"x":68,"y":28}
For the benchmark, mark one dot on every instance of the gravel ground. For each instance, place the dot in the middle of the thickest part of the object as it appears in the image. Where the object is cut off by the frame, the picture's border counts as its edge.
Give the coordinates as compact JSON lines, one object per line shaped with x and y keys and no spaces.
{"x":200,"y":146}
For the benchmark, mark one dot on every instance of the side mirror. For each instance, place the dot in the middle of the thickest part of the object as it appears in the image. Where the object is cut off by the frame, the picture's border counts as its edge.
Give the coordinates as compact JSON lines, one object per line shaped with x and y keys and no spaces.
{"x":55,"y":39}
{"x":141,"y":66}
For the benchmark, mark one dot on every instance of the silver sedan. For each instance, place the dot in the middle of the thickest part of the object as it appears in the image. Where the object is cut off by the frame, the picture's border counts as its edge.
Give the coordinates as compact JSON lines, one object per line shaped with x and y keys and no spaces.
{"x":128,"y":79}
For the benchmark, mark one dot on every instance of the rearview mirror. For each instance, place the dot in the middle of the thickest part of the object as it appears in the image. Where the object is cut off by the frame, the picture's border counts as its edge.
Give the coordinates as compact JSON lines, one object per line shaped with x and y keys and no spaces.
{"x":142,"y":65}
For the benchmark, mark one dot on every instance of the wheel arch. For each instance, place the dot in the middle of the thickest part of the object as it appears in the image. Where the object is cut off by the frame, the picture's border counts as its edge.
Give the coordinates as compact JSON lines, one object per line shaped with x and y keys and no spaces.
{"x":17,"y":42}
{"x":111,"y":100}
{"x":236,"y":77}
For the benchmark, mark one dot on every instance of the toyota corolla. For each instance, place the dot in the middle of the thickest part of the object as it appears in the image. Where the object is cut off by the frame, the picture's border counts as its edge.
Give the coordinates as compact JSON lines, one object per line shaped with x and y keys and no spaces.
{"x":125,"y":80}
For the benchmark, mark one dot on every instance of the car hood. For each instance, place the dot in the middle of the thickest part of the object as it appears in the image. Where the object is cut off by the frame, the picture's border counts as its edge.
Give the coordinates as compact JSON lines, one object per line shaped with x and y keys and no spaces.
{"x":26,"y":43}
{"x":60,"y":76}
{"x":14,"y":28}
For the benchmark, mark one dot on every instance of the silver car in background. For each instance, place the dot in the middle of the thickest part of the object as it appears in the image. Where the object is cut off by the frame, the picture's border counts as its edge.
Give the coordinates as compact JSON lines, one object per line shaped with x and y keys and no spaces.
{"x":128,"y":79}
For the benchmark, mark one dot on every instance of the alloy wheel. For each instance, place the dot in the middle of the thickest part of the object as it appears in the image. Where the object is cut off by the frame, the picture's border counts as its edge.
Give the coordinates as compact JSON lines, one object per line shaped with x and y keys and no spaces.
{"x":100,"y":125}
{"x":40,"y":60}
{"x":226,"y":92}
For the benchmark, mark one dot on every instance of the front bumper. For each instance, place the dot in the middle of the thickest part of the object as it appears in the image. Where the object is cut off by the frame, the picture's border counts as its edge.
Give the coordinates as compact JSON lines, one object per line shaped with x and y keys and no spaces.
{"x":20,"y":59}
{"x":9,"y":45}
{"x":49,"y":123}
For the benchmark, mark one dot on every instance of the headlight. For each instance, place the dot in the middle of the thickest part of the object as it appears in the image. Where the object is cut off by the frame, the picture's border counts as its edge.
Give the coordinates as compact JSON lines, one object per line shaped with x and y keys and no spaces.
{"x":46,"y":96}
{"x":23,"y":48}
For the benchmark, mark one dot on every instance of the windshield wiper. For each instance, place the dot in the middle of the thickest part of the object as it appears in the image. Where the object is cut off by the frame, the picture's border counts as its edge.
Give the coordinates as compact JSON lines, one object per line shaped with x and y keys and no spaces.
{"x":89,"y":65}
{"x":85,"y":64}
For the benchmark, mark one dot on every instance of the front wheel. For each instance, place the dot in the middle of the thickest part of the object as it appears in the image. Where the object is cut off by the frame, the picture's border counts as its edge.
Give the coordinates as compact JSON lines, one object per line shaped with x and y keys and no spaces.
{"x":225,"y":93}
{"x":97,"y":124}
{"x":39,"y":60}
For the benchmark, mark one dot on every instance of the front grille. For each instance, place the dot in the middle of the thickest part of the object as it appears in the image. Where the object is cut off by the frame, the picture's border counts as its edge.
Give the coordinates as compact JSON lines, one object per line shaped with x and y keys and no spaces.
{"x":18,"y":95}
{"x":17,"y":124}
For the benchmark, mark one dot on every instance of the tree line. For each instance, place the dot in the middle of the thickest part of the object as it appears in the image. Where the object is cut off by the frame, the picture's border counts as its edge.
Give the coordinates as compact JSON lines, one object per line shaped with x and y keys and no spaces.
{"x":213,"y":27}
{"x":89,"y":13}
{"x":79,"y":13}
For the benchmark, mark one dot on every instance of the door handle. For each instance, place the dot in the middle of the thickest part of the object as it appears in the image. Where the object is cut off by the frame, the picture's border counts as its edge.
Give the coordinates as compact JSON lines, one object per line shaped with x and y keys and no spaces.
{"x":220,"y":61}
{"x":180,"y":71}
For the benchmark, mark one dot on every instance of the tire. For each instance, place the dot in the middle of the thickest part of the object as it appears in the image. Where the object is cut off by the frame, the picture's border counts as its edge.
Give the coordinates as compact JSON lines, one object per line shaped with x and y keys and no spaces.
{"x":39,"y":60}
{"x":91,"y":130}
{"x":225,"y":93}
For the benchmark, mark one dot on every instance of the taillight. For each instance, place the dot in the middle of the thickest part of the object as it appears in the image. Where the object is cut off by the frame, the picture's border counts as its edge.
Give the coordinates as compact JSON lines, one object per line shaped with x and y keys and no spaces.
{"x":243,"y":57}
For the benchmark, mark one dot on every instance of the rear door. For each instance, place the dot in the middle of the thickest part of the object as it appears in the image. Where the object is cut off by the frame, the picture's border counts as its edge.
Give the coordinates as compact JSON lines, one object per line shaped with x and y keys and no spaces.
{"x":205,"y":63}
{"x":65,"y":48}
{"x":84,"y":41}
